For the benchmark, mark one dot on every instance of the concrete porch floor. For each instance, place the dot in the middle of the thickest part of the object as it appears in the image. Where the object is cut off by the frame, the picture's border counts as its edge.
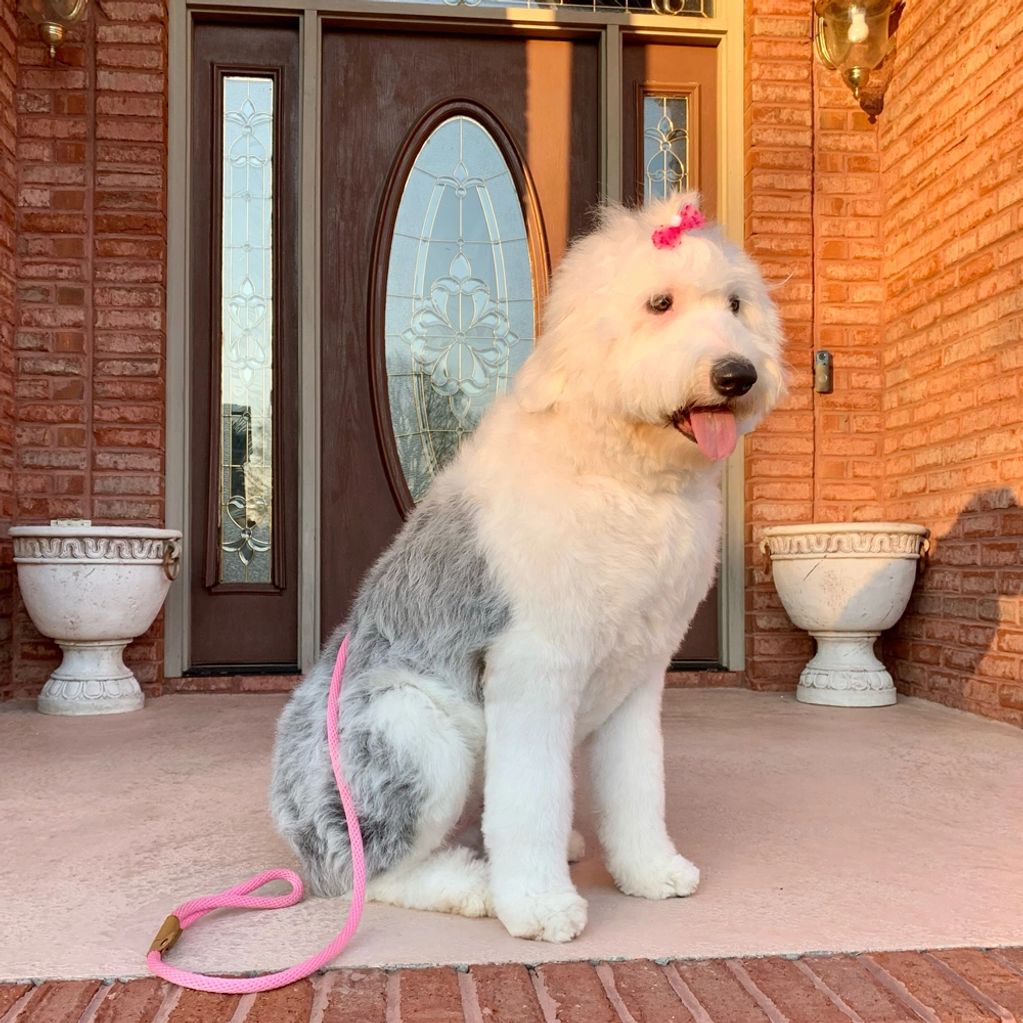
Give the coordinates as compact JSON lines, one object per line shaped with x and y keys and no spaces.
{"x":816,"y":830}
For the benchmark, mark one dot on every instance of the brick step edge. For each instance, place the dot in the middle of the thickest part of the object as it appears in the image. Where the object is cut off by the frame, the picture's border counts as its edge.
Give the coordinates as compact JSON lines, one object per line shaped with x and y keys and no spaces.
{"x":943,"y":986}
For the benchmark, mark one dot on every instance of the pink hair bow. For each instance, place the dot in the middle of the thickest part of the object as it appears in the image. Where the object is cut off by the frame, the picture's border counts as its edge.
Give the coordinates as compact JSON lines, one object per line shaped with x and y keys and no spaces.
{"x":687,"y":218}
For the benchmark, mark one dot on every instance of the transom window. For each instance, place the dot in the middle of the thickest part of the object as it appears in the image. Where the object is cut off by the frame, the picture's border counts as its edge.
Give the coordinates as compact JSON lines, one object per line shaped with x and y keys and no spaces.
{"x":690,"y":8}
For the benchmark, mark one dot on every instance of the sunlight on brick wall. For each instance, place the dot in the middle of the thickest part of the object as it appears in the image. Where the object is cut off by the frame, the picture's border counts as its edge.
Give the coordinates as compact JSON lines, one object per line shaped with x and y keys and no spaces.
{"x":953,"y":355}
{"x":813,"y":223}
{"x":915,"y":232}
{"x":8,"y":188}
{"x":848,"y":297}
{"x":779,"y":234}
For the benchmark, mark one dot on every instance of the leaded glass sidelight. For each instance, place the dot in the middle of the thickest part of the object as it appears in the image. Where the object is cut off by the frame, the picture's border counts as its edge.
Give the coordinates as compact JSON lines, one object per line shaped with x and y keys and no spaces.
{"x":665,"y":146}
{"x":246,"y":321}
{"x":460,"y":298}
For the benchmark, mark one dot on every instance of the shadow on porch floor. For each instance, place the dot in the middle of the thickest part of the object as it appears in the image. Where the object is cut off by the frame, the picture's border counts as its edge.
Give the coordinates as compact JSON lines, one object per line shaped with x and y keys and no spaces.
{"x":816,"y":829}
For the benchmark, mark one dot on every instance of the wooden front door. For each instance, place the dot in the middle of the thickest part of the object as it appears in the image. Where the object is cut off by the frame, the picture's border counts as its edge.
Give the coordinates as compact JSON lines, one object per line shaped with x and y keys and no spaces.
{"x":455,"y":166}
{"x":536,"y":100}
{"x":455,"y":169}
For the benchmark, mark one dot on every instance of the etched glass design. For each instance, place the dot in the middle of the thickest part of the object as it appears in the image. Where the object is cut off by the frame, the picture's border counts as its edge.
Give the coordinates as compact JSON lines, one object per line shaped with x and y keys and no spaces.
{"x":246,"y":321}
{"x":460,"y":314}
{"x":665,"y":146}
{"x":689,"y":8}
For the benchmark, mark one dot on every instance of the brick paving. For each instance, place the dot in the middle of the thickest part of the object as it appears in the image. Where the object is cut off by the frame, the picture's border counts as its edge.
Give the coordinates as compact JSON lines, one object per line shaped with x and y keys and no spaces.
{"x":948,"y":986}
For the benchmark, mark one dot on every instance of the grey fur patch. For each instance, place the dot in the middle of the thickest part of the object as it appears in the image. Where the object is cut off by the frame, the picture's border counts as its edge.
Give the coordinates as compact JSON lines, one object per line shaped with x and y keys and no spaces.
{"x":429,"y":607}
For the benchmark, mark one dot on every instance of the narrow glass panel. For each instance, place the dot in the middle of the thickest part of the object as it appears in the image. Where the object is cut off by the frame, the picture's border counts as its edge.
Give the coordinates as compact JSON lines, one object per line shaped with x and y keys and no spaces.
{"x":246,"y":320}
{"x":460,"y":313}
{"x":665,"y":146}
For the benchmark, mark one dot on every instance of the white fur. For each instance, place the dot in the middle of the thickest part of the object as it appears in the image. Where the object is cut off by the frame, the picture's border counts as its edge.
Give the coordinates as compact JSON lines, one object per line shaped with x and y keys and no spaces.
{"x":602,"y":524}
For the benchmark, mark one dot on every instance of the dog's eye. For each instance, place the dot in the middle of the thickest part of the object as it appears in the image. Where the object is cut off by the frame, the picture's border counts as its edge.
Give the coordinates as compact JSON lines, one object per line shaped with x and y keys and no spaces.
{"x":660,"y":303}
{"x":734,"y":303}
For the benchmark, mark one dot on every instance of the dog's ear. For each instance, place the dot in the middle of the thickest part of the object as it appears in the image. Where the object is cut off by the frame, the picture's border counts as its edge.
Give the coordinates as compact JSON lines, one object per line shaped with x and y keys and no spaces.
{"x":541,"y":380}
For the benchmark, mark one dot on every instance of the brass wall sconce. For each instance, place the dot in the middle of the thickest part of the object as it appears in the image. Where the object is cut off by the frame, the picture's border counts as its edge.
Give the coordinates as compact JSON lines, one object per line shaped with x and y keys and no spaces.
{"x":857,"y":39}
{"x":54,"y":18}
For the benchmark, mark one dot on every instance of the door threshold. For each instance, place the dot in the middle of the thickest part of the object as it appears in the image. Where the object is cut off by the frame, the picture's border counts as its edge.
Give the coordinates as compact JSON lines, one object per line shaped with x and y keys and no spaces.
{"x":704,"y":678}
{"x":282,"y":683}
{"x":279,"y":683}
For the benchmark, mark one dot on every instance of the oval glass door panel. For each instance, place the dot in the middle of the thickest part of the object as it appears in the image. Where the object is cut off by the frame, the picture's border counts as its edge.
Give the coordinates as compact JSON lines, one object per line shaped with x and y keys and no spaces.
{"x":460,"y":314}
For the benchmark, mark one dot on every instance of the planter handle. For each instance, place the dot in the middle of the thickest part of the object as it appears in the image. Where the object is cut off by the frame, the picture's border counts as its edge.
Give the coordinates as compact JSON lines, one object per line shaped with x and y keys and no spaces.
{"x":765,"y":549}
{"x":923,"y":558}
{"x":171,"y":559}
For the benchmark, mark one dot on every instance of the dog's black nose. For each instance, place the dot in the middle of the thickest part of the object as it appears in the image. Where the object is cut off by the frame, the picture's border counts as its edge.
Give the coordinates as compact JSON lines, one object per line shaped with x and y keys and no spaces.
{"x":733,"y":376}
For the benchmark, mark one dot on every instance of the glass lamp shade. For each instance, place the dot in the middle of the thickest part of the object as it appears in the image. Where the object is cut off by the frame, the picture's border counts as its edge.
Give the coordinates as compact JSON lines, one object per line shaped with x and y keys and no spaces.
{"x":54,"y":17}
{"x":852,"y":36}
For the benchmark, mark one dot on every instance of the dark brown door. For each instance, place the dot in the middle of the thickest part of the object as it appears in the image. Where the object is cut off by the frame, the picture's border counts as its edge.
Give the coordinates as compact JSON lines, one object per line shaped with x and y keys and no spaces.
{"x":455,"y":169}
{"x":244,"y":348}
{"x":669,"y":144}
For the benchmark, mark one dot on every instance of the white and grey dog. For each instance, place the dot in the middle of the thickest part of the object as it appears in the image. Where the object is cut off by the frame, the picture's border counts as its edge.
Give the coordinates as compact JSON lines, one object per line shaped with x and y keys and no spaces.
{"x":534,"y":598}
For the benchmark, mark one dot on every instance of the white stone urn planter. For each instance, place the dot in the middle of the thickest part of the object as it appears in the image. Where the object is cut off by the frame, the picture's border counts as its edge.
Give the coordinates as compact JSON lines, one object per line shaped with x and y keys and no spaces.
{"x":93,"y":589}
{"x":845,"y":583}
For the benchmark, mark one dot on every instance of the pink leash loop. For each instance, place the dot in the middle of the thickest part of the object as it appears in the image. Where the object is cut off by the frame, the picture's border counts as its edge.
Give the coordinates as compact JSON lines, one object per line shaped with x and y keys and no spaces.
{"x":240,"y":897}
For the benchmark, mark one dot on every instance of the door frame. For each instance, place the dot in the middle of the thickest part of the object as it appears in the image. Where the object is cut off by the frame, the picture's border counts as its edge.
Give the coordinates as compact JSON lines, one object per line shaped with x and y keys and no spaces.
{"x":725,"y":29}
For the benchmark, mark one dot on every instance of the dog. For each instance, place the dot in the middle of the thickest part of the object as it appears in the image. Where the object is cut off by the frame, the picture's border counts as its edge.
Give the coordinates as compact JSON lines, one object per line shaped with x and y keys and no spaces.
{"x":532,"y":601}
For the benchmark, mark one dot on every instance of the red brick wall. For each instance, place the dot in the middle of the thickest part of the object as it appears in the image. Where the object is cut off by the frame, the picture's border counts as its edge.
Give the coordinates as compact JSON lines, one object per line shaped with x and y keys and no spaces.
{"x":8,"y":188}
{"x":951,"y":139}
{"x":813,"y":222}
{"x":848,"y":306}
{"x":897,"y":247}
{"x":902,"y":244}
{"x":779,"y":234}
{"x":90,"y":336}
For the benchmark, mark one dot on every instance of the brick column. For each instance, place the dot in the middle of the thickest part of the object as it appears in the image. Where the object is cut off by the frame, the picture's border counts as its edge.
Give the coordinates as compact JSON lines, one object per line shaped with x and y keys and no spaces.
{"x":90,"y":341}
{"x":8,"y":190}
{"x":813,"y":223}
{"x":779,"y":235}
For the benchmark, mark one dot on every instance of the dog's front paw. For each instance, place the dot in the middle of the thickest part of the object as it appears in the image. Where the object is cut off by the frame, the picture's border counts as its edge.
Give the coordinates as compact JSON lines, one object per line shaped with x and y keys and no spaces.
{"x":664,"y":879}
{"x":550,"y":916}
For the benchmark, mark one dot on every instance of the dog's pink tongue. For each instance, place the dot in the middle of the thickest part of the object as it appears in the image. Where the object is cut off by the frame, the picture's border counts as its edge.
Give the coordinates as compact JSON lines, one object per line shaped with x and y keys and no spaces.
{"x":715,"y":431}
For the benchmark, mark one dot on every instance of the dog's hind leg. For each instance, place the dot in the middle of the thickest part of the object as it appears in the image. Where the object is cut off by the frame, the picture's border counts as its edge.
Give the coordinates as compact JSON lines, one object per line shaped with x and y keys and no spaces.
{"x":450,"y":880}
{"x":436,"y":739}
{"x":576,"y":847}
{"x":408,"y":752}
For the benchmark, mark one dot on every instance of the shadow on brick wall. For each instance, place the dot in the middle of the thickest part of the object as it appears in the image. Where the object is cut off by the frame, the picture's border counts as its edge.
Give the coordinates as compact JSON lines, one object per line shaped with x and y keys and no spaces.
{"x":960,"y":641}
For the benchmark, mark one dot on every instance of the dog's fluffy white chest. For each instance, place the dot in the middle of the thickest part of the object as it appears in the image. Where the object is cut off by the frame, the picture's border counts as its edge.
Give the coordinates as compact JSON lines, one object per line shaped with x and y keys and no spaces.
{"x":608,"y":574}
{"x":679,"y":542}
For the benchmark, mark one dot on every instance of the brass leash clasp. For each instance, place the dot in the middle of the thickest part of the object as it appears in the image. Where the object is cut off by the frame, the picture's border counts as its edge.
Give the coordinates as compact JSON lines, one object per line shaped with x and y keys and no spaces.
{"x":167,"y":935}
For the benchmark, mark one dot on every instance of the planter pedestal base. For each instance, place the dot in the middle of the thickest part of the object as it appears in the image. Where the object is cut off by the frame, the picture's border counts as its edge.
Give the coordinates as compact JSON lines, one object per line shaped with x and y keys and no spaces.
{"x":91,"y":679}
{"x":845,"y":672}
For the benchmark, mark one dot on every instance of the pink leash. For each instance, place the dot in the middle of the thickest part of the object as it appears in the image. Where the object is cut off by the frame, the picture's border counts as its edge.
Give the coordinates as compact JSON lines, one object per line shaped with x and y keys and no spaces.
{"x":239,"y":896}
